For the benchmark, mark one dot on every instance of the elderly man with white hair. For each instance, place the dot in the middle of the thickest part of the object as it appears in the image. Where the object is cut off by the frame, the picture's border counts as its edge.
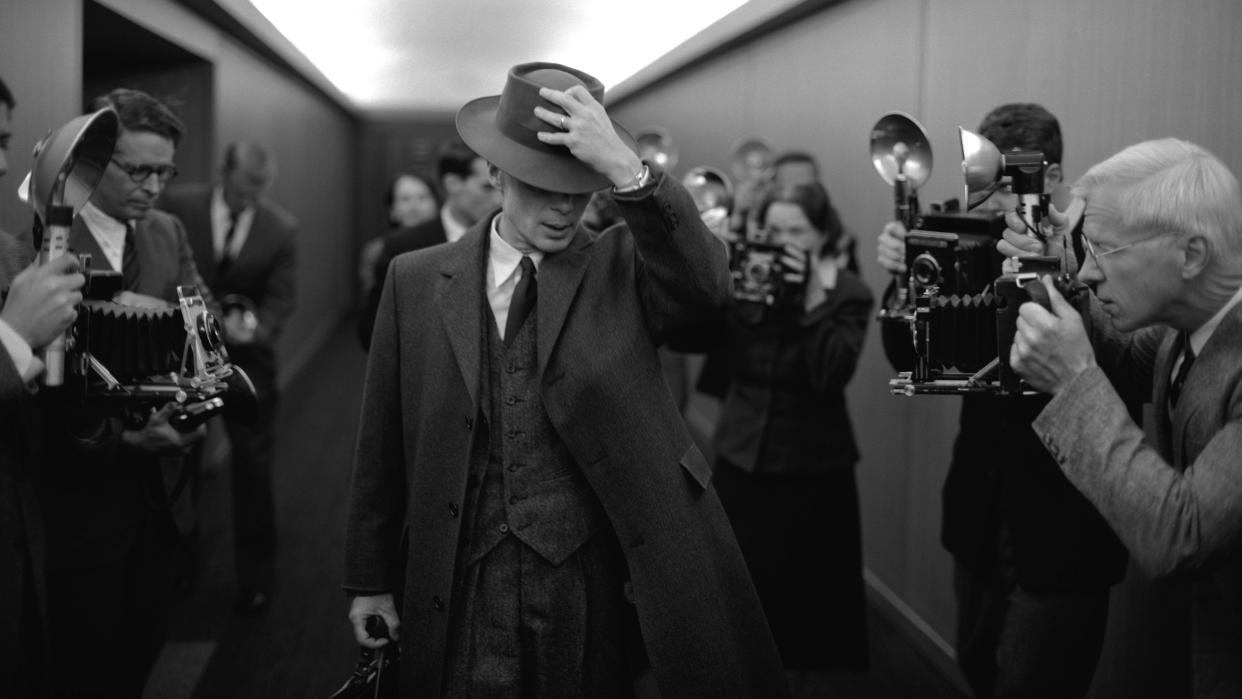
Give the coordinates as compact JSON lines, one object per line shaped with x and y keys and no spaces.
{"x":1163,"y":231}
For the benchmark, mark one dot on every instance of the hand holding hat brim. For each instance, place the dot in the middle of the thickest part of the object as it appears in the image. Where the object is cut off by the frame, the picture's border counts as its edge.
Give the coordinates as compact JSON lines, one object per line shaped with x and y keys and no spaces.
{"x":588,"y":133}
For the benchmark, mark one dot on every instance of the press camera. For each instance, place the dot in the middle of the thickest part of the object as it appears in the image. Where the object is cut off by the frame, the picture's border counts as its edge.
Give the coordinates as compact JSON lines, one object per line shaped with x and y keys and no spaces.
{"x":953,"y":309}
{"x":761,"y":276}
{"x":125,"y":357}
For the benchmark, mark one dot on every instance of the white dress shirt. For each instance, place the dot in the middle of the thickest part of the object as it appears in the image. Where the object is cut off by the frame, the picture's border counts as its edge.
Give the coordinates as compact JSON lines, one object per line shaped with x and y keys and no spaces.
{"x":503,"y":274}
{"x":453,"y":229}
{"x":221,"y":217}
{"x":108,"y":232}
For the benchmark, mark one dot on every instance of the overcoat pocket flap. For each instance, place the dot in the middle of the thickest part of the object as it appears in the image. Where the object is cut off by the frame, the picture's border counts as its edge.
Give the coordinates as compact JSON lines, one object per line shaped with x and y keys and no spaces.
{"x":696,"y":464}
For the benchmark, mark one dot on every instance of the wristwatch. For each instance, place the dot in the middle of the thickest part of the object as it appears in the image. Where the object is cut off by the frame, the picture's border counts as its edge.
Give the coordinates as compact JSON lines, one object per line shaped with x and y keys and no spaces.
{"x":641,"y":179}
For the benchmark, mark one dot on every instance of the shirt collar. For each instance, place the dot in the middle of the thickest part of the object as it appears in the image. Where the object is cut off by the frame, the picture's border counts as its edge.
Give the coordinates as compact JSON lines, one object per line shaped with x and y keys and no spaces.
{"x":1200,"y":337}
{"x":504,"y":257}
{"x":98,"y":221}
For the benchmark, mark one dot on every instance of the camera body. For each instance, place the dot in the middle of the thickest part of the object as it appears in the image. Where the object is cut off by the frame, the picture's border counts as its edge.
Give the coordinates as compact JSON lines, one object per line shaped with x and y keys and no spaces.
{"x":758,"y":274}
{"x":954,"y":253}
{"x":134,"y":360}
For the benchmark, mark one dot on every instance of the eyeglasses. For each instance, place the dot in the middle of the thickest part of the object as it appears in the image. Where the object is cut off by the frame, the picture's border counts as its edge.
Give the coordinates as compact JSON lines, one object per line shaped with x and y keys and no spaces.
{"x":1096,"y":255}
{"x":140,"y":173}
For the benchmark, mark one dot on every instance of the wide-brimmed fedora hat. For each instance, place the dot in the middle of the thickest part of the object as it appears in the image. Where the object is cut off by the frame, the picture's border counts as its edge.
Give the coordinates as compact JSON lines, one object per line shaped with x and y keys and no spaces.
{"x":502,"y":129}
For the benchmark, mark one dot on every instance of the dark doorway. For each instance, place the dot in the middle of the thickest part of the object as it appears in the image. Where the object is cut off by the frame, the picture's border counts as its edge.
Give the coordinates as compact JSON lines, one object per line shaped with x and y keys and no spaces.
{"x":119,"y":53}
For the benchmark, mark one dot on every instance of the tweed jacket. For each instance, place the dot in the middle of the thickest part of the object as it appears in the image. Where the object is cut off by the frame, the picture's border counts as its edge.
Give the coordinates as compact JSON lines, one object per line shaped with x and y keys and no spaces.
{"x":264,"y":270}
{"x":605,"y":304}
{"x":1174,"y":497}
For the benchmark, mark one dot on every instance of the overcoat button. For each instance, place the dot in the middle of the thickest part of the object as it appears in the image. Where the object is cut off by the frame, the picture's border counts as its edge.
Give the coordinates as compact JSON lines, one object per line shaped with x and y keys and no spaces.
{"x":469,"y":423}
{"x":504,"y":528}
{"x":437,"y":603}
{"x":453,"y":509}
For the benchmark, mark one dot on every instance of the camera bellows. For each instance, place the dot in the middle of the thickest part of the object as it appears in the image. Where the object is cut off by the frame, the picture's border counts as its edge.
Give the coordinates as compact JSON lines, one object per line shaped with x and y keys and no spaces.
{"x":132,"y":342}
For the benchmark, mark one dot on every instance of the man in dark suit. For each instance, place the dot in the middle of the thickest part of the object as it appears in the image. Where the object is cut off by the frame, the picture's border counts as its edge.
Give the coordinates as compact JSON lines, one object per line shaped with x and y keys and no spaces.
{"x":468,"y":197}
{"x":111,"y":532}
{"x":36,"y":305}
{"x":1163,"y":232}
{"x":247,"y":247}
{"x":1033,"y":560}
{"x":564,"y":537}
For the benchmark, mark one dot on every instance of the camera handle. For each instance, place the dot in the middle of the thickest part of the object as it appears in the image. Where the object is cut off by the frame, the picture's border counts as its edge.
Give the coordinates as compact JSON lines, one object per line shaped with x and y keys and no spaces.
{"x":55,"y":244}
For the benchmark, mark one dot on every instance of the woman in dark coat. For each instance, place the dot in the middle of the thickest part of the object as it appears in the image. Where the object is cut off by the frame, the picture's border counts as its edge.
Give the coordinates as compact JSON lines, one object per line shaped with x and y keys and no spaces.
{"x":784,"y":445}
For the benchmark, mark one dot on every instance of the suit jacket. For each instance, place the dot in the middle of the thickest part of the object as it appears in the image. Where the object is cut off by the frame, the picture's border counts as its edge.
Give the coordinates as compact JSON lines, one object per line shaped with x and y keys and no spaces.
{"x":95,"y":492}
{"x":424,"y":235}
{"x":784,"y":411}
{"x":21,"y":524}
{"x":604,"y":305}
{"x":264,"y":271}
{"x":1174,"y":497}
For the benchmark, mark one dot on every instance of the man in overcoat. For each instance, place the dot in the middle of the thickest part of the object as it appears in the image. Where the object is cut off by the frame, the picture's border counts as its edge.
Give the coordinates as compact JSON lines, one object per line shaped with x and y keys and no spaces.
{"x":563,"y":534}
{"x":1163,"y":233}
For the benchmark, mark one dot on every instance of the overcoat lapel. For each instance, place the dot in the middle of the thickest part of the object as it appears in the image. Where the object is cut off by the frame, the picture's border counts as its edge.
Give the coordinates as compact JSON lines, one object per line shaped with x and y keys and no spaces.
{"x":559,"y":278}
{"x":461,"y":306}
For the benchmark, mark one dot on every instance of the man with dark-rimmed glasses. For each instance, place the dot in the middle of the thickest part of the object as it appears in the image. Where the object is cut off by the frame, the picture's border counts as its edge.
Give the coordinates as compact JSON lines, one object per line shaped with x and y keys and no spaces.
{"x":111,"y":533}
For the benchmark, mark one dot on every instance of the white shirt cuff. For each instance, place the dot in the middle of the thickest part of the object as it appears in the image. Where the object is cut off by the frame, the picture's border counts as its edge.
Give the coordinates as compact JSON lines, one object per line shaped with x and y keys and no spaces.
{"x":28,"y":366}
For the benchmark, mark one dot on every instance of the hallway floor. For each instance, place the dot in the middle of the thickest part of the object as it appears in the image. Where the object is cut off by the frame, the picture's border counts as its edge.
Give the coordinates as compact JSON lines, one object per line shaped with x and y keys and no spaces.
{"x":303,"y":647}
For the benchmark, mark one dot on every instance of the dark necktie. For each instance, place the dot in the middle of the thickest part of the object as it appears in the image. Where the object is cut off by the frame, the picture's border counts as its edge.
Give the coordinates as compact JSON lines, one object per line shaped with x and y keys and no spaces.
{"x":1188,"y":359}
{"x":523,"y":300}
{"x":131,"y":269}
{"x":226,"y":252}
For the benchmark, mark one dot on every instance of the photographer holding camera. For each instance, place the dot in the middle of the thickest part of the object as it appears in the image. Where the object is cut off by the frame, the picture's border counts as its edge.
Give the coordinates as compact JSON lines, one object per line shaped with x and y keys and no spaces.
{"x":102,"y":487}
{"x":785,"y":449}
{"x":37,"y":304}
{"x":1163,"y":234}
{"x":1033,"y":560}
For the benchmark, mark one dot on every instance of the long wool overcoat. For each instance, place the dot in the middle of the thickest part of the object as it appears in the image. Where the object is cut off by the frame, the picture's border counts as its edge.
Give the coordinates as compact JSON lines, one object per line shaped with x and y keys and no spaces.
{"x":604,"y":305}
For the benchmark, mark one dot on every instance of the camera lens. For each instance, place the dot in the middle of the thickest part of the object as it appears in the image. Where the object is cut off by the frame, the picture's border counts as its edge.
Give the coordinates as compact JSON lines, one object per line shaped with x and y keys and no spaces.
{"x":758,"y":272}
{"x":925,"y":270}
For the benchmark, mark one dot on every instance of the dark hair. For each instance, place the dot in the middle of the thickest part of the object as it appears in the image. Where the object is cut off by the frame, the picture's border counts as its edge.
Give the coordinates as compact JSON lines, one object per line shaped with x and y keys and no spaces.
{"x":1023,"y":126}
{"x":252,"y":155}
{"x":139,"y":111}
{"x":456,"y":158}
{"x":814,"y":202}
{"x":390,"y":193}
{"x":6,"y":96}
{"x":797,"y":156}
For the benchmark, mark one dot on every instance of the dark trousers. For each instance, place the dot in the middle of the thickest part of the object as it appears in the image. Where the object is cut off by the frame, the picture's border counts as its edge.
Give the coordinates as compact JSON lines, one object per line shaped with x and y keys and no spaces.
{"x":524,"y":628}
{"x":108,"y":622}
{"x":801,"y":538}
{"x":254,"y":506}
{"x":1014,"y":643}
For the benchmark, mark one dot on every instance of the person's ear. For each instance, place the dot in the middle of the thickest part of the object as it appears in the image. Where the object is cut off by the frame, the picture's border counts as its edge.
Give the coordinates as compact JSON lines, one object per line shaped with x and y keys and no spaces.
{"x":496,"y":177}
{"x":1195,"y":254}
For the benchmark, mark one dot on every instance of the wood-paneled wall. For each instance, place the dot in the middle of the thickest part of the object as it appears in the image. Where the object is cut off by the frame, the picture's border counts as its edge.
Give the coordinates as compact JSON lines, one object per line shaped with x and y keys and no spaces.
{"x":312,"y":137}
{"x":1114,"y":71}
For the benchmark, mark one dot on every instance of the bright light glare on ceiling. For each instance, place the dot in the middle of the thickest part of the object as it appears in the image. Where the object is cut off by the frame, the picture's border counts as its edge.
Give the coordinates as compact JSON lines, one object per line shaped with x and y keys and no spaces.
{"x":379,"y":52}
